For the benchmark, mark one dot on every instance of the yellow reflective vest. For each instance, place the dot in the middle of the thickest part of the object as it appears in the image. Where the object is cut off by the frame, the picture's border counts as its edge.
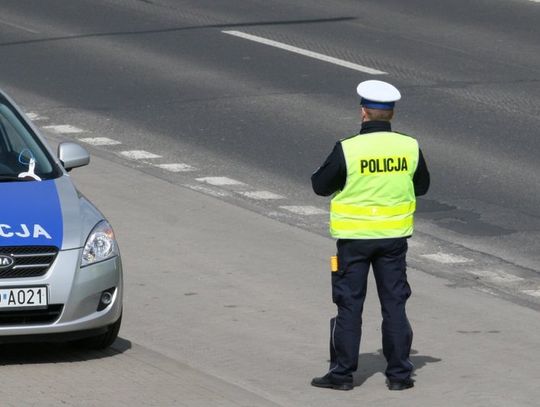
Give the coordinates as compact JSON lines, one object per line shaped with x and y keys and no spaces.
{"x":378,"y":198}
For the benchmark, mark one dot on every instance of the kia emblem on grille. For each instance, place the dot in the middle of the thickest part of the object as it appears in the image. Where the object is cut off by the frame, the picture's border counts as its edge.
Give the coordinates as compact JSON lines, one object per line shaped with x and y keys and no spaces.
{"x":6,"y":262}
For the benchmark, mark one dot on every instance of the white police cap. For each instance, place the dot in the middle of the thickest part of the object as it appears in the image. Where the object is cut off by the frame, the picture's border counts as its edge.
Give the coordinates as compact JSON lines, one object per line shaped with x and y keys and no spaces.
{"x":378,"y":94}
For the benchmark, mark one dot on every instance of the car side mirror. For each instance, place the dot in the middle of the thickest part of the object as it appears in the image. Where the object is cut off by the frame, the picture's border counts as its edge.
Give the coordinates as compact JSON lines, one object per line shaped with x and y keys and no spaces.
{"x":72,"y":155}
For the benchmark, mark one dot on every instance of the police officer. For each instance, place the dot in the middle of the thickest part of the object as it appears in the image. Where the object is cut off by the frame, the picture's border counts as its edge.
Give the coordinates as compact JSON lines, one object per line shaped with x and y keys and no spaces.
{"x":374,"y":177}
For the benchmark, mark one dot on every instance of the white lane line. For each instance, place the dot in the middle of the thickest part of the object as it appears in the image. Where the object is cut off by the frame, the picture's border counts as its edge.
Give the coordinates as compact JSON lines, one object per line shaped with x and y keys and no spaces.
{"x":496,"y":276}
{"x":35,"y":117}
{"x":261,"y":195}
{"x":64,"y":129}
{"x":208,"y":191}
{"x":446,"y":258}
{"x":220,"y":181}
{"x":99,"y":141}
{"x":306,"y":53}
{"x":176,"y":167}
{"x":304,"y":210}
{"x":139,"y":155}
{"x":532,"y":293}
{"x":486,"y":291}
{"x":20,"y":27}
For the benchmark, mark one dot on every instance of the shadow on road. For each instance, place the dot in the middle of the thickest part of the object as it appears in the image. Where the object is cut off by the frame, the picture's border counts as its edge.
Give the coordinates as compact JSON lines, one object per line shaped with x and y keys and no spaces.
{"x":178,"y":29}
{"x":36,"y":353}
{"x":372,"y":363}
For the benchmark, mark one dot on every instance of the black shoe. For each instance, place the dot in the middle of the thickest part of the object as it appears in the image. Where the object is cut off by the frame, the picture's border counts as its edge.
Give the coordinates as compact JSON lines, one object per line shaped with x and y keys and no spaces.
{"x":329,"y":382}
{"x":400,"y":384}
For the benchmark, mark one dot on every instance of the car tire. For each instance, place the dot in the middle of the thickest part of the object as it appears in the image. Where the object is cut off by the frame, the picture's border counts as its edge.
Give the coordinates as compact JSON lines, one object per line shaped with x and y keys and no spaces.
{"x":103,"y":340}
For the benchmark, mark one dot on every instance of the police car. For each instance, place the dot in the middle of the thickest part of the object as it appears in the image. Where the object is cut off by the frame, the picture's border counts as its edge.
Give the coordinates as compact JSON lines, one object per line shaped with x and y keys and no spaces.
{"x":60,"y":268}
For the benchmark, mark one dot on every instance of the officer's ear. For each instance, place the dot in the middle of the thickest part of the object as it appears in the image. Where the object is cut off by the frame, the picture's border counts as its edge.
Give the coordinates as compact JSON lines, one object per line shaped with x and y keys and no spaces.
{"x":363,"y":114}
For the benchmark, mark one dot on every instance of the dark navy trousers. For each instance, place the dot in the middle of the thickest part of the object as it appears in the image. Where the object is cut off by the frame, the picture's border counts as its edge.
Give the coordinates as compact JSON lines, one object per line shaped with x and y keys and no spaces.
{"x":349,"y":285}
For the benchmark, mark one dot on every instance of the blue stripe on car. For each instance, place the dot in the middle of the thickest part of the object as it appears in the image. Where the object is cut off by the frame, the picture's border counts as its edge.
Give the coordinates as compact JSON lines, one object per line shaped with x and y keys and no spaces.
{"x":30,"y":214}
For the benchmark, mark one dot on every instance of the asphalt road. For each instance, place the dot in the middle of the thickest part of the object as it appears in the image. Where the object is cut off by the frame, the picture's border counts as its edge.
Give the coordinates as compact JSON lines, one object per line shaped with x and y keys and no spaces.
{"x":161,"y":76}
{"x":246,"y":324}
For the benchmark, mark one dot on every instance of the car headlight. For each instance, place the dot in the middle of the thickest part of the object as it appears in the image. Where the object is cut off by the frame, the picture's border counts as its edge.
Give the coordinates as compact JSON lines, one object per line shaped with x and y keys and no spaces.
{"x":100,"y":245}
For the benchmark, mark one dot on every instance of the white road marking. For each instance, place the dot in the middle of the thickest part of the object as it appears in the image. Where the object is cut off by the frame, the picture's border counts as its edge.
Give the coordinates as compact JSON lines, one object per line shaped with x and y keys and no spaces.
{"x":176,"y":167}
{"x":220,"y":181}
{"x":486,"y":290}
{"x":35,"y":117}
{"x":306,"y":53}
{"x":496,"y":276}
{"x":100,"y":141}
{"x":532,"y":293}
{"x":139,"y":155}
{"x":261,"y":195}
{"x":20,"y":27}
{"x":208,"y":191}
{"x":304,"y":210}
{"x":64,"y":129}
{"x":446,"y":258}
{"x":414,"y":244}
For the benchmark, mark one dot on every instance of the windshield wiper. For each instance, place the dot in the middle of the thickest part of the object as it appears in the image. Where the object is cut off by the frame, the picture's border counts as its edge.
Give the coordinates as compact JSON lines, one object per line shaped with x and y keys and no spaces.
{"x":13,"y":178}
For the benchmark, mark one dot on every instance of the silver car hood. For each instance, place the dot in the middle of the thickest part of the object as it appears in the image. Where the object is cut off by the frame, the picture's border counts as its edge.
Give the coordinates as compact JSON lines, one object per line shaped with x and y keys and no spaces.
{"x":78,"y":214}
{"x":45,"y":213}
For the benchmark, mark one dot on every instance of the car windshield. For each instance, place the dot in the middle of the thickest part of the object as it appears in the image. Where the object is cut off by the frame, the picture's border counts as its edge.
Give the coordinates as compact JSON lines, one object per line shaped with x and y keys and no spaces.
{"x":22,"y":155}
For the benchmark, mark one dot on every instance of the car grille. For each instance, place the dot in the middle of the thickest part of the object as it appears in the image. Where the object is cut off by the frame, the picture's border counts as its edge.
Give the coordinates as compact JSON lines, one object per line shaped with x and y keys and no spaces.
{"x":29,"y":261}
{"x":31,"y":316}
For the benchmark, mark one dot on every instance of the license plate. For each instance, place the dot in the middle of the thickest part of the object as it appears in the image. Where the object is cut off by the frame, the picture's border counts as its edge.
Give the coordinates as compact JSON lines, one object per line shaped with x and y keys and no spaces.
{"x":23,"y":297}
